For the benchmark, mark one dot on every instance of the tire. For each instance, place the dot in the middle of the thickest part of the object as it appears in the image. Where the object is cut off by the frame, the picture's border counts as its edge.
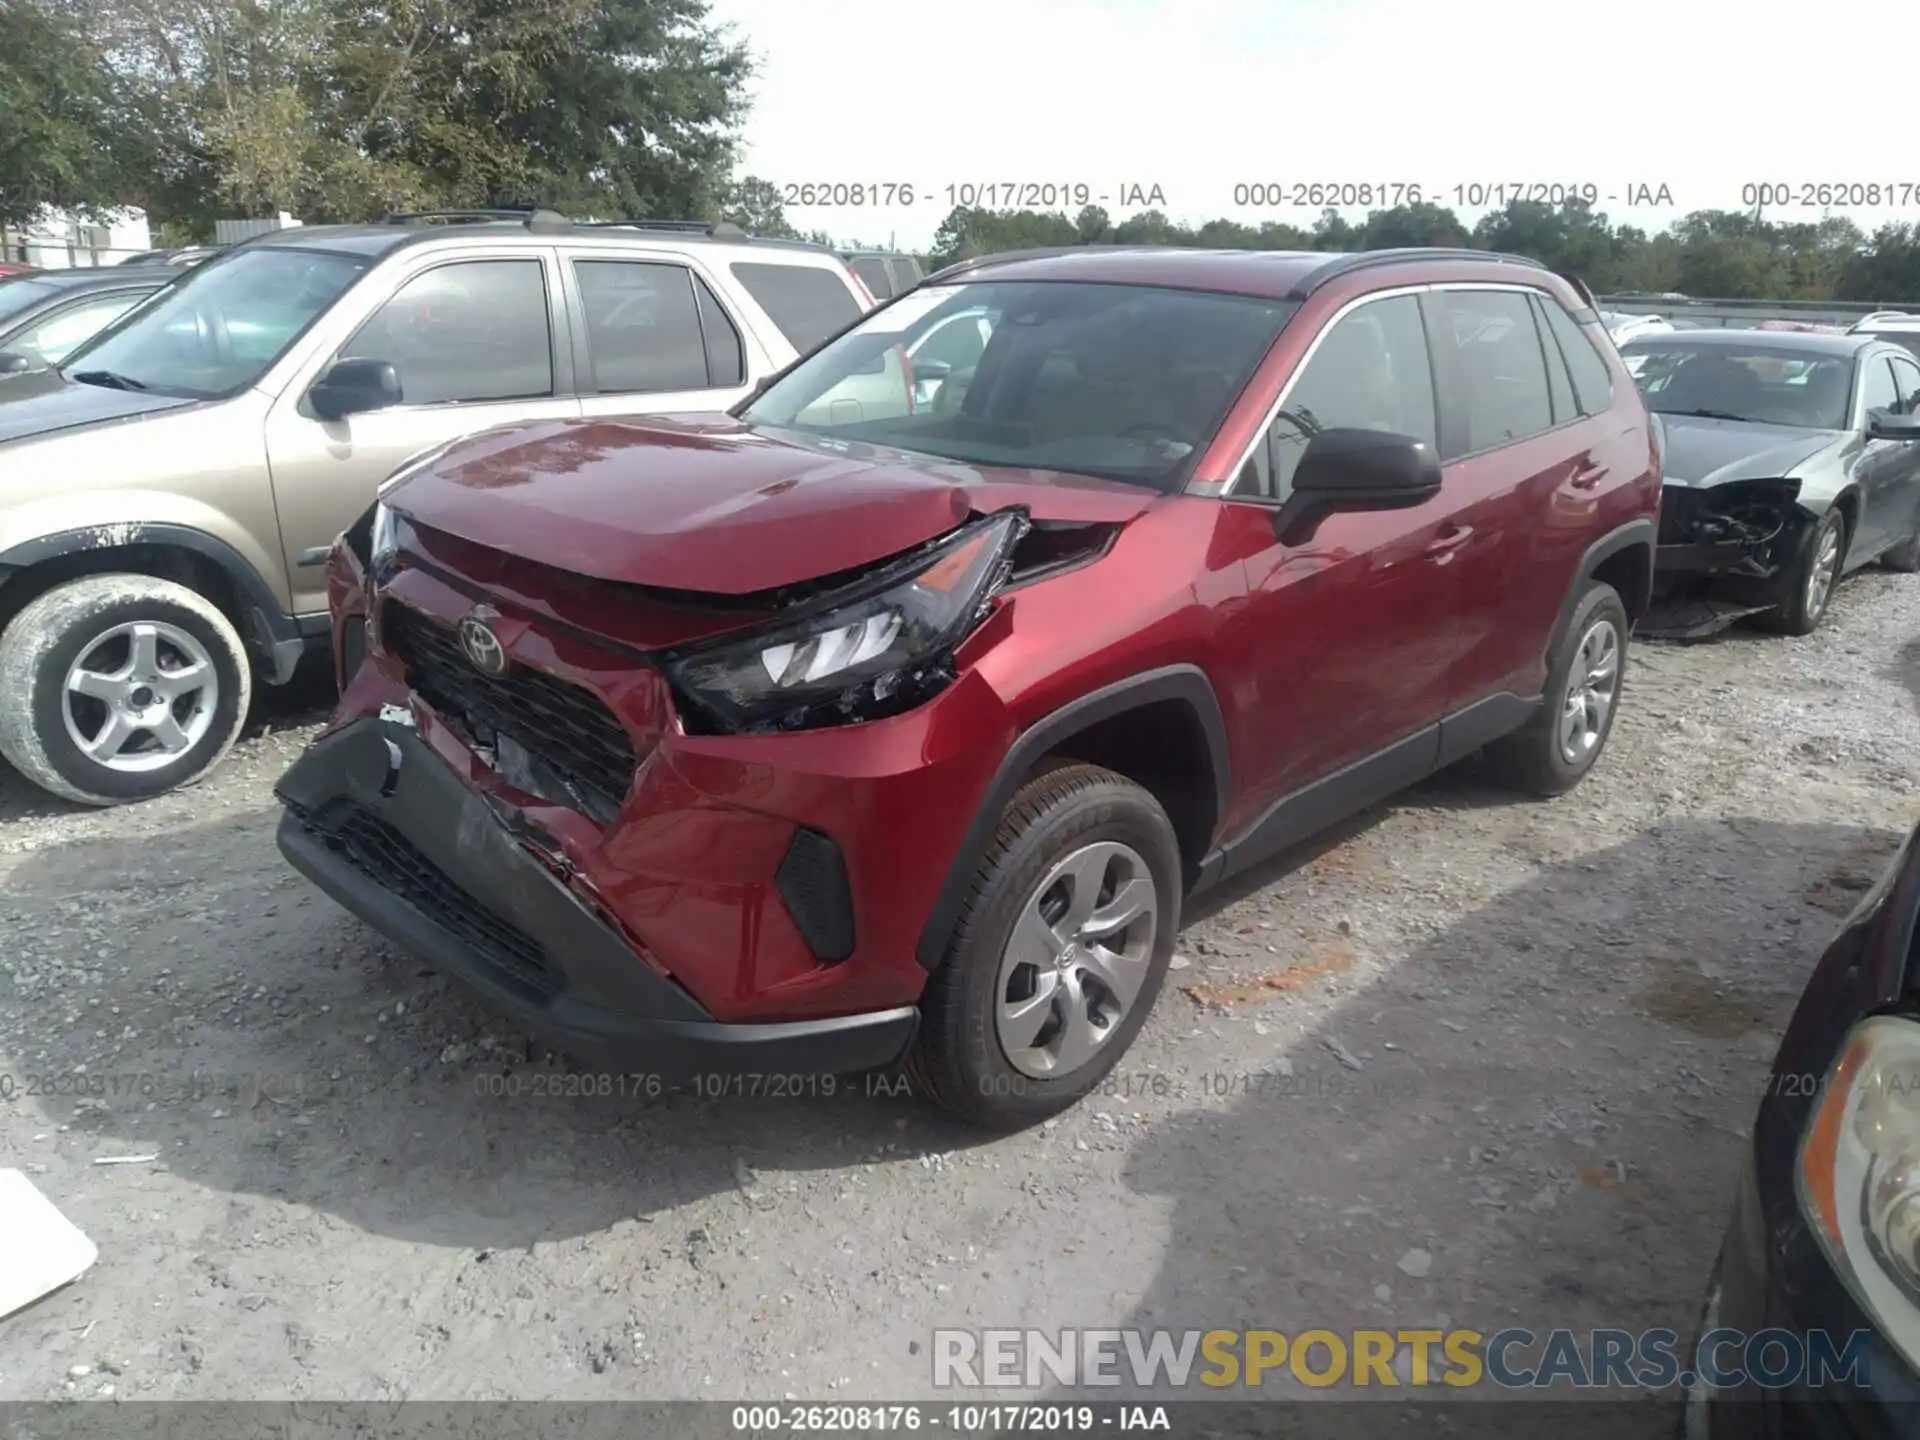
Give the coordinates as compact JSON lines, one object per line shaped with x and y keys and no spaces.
{"x":93,"y":619}
{"x":1801,"y":613}
{"x":1096,"y":822}
{"x":1537,"y":759}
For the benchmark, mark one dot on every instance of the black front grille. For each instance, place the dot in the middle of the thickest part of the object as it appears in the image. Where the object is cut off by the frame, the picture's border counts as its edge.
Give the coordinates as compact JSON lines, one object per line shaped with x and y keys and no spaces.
{"x":390,"y":860}
{"x":566,"y":727}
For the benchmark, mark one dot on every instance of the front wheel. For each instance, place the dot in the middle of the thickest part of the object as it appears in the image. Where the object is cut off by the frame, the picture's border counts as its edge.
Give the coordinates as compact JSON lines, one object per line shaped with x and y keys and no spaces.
{"x":1058,"y":955}
{"x":120,"y":687}
{"x":1815,"y":572}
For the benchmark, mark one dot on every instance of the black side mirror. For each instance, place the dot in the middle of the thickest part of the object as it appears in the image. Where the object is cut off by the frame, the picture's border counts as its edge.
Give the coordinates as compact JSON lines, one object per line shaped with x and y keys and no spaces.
{"x":1350,"y":470}
{"x":12,"y":362}
{"x":1881,"y":425}
{"x":353,"y":387}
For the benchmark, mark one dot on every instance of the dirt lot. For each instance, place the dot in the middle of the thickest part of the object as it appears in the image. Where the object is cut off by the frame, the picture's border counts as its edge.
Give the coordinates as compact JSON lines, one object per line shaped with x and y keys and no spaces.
{"x":1524,"y":1042}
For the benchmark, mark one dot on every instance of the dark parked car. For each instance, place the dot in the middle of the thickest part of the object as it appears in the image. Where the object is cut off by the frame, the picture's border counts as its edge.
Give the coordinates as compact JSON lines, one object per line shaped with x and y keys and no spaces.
{"x":47,"y":316}
{"x":1824,"y":1244}
{"x":183,"y":256}
{"x":1790,"y":460}
{"x":884,"y":273}
{"x":844,"y":730}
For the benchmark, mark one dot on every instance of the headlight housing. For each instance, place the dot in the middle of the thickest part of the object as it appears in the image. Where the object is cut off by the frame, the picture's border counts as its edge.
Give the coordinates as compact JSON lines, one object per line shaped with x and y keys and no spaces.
{"x":1858,"y":1174}
{"x":874,"y":649}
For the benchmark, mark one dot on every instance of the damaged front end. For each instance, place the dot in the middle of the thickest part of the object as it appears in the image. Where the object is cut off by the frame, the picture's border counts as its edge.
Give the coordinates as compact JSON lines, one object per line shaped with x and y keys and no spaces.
{"x":1725,"y":551}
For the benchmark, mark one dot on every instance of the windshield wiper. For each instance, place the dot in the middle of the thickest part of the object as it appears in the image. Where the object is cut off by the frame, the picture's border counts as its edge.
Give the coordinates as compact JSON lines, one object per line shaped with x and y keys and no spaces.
{"x":112,"y":379}
{"x":1714,"y":415}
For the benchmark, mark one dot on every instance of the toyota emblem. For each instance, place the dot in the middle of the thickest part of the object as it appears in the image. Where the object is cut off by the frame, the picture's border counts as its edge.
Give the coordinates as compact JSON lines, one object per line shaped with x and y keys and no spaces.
{"x":482,"y":646}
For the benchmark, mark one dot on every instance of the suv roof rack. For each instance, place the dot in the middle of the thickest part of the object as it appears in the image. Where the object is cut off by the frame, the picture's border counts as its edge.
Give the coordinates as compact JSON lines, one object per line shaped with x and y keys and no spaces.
{"x":717,"y":229}
{"x":1878,"y":315}
{"x":1367,"y":259}
{"x":1009,"y":257}
{"x":532,"y":219}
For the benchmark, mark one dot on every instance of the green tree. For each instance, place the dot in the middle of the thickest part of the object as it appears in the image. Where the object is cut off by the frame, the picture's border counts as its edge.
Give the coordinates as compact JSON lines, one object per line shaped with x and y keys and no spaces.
{"x":65,"y":131}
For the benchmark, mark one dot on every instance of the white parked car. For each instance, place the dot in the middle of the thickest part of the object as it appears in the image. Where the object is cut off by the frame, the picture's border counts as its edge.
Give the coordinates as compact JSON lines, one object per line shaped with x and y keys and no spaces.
{"x":1899,"y":326}
{"x":1624,"y":327}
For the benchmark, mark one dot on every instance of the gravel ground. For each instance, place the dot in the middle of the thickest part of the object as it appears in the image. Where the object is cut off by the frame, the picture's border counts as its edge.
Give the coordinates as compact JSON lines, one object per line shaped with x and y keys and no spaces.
{"x":1524,"y":1041}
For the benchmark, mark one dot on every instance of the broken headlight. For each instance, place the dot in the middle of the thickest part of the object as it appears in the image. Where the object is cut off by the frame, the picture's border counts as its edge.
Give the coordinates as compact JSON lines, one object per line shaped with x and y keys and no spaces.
{"x":1859,"y":1174}
{"x":881,"y":649}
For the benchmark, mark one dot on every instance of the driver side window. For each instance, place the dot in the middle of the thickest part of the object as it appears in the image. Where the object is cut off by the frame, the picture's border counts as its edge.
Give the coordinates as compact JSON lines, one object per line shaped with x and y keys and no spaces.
{"x":468,"y":332}
{"x":1370,"y":371}
{"x":1881,"y":392}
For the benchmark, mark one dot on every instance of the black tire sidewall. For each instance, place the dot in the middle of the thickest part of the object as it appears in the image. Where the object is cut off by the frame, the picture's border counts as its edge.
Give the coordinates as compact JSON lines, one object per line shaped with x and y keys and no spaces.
{"x":1118,"y":811}
{"x":1600,"y":599}
{"x":49,"y":723}
{"x":1794,"y":612}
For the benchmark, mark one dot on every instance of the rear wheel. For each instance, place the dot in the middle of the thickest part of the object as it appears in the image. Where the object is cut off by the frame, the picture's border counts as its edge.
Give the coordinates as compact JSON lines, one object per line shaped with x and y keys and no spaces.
{"x":1556,"y":749}
{"x":1059,"y":954}
{"x":120,"y":687}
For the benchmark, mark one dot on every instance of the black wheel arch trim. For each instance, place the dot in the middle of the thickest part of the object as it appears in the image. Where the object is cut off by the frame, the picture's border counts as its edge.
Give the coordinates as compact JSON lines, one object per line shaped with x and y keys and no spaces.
{"x":276,"y":637}
{"x":1187,"y":684}
{"x":1642,"y":532}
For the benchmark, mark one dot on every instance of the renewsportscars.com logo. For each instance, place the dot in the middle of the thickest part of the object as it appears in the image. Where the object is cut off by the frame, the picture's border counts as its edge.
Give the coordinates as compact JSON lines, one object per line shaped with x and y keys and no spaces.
{"x":1514,"y":1359}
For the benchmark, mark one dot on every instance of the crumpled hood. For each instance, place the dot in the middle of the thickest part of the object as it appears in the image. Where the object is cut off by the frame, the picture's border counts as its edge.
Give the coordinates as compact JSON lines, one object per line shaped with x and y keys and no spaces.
{"x":1701,"y":453}
{"x":42,"y":402}
{"x":706,"y":504}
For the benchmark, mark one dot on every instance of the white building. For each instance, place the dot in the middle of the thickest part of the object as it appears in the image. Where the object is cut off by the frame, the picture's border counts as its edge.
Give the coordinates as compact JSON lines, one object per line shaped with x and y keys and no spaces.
{"x":58,"y":241}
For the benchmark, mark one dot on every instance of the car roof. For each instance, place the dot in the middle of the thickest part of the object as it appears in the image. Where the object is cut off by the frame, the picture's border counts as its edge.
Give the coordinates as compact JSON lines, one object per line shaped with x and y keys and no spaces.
{"x":1730,"y":338}
{"x":99,"y":277}
{"x":383,"y":237}
{"x":1268,"y":274}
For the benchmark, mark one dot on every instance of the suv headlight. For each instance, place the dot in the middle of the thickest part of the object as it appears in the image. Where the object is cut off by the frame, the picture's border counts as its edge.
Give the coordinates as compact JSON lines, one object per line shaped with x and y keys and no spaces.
{"x":884,"y":648}
{"x":1858,"y":1174}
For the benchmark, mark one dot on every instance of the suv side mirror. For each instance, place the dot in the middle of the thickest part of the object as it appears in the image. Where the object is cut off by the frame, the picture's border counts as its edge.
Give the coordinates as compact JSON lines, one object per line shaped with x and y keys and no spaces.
{"x":1352,"y":470}
{"x":352,"y":387}
{"x":12,"y":362}
{"x":1881,"y":425}
{"x":1366,"y":470}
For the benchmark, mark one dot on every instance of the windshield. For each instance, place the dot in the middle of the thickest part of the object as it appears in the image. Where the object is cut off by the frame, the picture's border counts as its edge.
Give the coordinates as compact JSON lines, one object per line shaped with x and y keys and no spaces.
{"x":17,"y":295}
{"x":1758,"y":383}
{"x":1124,"y":382}
{"x":220,"y":327}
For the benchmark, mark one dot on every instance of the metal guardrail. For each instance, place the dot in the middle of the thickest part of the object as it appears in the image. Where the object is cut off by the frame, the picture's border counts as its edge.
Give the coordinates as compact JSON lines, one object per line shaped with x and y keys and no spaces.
{"x":1737,"y":313}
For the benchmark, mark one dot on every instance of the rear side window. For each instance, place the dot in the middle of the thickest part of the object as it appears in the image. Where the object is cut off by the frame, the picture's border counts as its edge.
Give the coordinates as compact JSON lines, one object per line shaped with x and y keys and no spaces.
{"x":874,"y":274}
{"x":906,"y":273}
{"x":1592,"y":380}
{"x":1491,"y":350}
{"x":1559,"y":386}
{"x":1370,"y":371}
{"x":807,"y":302}
{"x":643,"y":326}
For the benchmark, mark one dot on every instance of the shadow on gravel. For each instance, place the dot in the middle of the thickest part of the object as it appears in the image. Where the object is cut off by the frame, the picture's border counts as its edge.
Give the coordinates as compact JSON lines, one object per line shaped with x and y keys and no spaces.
{"x":1568,"y":1065}
{"x":1905,"y":669}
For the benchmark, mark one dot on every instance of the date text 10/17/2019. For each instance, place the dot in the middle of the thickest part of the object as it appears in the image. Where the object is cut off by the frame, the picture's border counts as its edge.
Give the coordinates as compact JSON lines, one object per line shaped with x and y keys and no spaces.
{"x":975,"y":194}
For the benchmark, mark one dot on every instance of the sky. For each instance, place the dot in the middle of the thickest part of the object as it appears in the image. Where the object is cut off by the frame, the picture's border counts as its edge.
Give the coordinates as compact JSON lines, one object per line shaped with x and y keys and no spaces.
{"x":1198,"y":97}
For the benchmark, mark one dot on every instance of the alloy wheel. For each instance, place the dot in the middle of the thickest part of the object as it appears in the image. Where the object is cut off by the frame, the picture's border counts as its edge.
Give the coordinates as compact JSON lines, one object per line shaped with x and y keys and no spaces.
{"x":1077,"y":959}
{"x":139,"y":696}
{"x":1593,"y":684}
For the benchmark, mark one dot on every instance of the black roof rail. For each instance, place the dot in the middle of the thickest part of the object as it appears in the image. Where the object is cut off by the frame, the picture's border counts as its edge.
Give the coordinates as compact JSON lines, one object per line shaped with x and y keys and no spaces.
{"x":1009,"y":257}
{"x":532,"y":219}
{"x":1366,"y":259}
{"x":717,"y":229}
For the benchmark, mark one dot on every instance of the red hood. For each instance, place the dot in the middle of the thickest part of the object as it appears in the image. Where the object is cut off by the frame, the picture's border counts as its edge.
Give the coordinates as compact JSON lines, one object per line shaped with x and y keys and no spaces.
{"x":706,"y":504}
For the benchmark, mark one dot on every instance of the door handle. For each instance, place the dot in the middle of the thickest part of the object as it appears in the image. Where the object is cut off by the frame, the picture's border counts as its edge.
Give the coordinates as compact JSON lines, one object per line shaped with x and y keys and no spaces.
{"x":1588,"y":476}
{"x":1448,"y":541}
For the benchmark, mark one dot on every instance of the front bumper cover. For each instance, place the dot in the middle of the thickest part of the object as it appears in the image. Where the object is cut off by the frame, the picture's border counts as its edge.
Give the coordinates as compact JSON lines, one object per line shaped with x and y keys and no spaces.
{"x":382,"y":824}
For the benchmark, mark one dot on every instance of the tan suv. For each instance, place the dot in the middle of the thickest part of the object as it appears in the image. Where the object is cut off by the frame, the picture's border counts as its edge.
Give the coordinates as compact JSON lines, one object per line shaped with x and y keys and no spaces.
{"x":171,"y":491}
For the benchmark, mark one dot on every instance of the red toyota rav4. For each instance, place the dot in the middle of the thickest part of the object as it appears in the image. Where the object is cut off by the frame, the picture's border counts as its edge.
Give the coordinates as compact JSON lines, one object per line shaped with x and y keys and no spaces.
{"x":891,"y":717}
